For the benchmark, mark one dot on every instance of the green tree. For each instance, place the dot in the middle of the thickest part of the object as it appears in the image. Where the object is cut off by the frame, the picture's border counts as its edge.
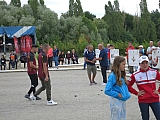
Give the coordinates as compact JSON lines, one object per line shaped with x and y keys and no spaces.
{"x":16,"y":3}
{"x":155,"y":17}
{"x":147,"y":30}
{"x":4,"y":3}
{"x":34,"y":5}
{"x":79,"y":8}
{"x":89,"y":15}
{"x":41,"y":2}
{"x":71,"y":8}
{"x":114,"y":18}
{"x":128,"y":22}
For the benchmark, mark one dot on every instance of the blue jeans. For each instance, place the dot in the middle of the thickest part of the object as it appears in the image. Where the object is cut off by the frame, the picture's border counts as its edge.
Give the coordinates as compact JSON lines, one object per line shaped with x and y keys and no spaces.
{"x":13,"y":64}
{"x":144,"y":108}
{"x":84,"y":66}
{"x":56,"y":60}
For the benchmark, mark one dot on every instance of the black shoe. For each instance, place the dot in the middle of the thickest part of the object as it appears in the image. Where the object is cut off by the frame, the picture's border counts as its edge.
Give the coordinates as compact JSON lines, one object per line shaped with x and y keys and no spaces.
{"x":94,"y":82}
{"x":27,"y":96}
{"x":38,"y":98}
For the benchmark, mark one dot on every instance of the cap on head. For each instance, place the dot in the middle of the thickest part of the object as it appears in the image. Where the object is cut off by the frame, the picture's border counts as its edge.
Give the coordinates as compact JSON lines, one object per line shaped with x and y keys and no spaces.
{"x":143,"y":58}
{"x":141,"y":46}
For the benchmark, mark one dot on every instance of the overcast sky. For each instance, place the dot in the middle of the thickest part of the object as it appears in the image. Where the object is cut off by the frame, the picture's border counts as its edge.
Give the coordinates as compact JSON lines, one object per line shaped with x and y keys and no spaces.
{"x":97,"y":6}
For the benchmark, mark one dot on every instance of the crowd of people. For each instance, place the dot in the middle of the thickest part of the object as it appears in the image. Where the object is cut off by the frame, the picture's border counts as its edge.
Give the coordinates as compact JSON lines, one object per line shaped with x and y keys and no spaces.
{"x":117,"y":86}
{"x":53,"y":54}
{"x":142,"y":52}
{"x":59,"y":57}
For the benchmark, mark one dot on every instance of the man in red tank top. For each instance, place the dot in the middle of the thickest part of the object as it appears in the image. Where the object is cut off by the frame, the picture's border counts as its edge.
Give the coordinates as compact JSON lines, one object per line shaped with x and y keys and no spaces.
{"x":43,"y":75}
{"x":32,"y":71}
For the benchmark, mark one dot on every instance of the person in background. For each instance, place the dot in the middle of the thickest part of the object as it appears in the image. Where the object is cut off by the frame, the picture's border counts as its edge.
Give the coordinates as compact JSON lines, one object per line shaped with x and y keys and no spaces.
{"x":116,"y":87}
{"x":23,"y":59}
{"x":13,"y":58}
{"x":141,"y":49}
{"x":50,"y":56}
{"x":32,"y":72}
{"x":90,"y":58}
{"x":44,"y":76}
{"x":74,"y":57}
{"x":158,"y":47}
{"x":56,"y":56}
{"x":84,"y":66}
{"x":112,"y":47}
{"x":108,"y":50}
{"x":40,"y":49}
{"x":68,"y":57}
{"x":130,"y":47}
{"x":149,"y":52}
{"x":1,"y":46}
{"x":3,"y":62}
{"x":103,"y":59}
{"x":148,"y":96}
{"x":61,"y":57}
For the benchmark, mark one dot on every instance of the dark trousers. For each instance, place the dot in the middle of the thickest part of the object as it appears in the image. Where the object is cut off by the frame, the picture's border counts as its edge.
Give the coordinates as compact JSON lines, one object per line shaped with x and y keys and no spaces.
{"x":144,"y":108}
{"x":75,"y":60}
{"x":61,"y":61}
{"x":34,"y":83}
{"x":104,"y":73}
{"x":45,"y":85}
{"x":4,"y":66}
{"x":50,"y":59}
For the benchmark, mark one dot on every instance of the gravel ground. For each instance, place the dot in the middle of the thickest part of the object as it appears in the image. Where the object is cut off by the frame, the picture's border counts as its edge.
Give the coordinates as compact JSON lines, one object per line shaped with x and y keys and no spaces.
{"x":77,"y":100}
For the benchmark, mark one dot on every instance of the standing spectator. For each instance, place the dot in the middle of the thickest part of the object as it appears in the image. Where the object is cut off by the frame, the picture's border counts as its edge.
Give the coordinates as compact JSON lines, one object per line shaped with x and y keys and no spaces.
{"x":40,"y":49}
{"x":108,"y":51}
{"x":61,"y":57}
{"x":103,"y":58}
{"x":117,"y":88}
{"x":68,"y":57}
{"x":13,"y":58}
{"x":74,"y":57}
{"x":44,"y":77}
{"x":56,"y":55}
{"x":84,"y":66}
{"x":50,"y":56}
{"x":3,"y":62}
{"x":149,"y":52}
{"x":23,"y":59}
{"x":90,"y":58}
{"x":145,"y":78}
{"x":158,"y":47}
{"x":32,"y":72}
{"x":130,"y":47}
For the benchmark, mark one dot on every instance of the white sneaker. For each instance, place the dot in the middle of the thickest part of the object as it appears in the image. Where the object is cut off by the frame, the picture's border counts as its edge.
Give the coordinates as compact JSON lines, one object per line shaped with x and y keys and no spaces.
{"x":103,"y":84}
{"x":51,"y":102}
{"x":33,"y":98}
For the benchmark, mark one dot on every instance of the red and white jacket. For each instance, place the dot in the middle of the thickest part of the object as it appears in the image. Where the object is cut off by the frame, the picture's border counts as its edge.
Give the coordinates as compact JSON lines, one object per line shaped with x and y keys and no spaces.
{"x":145,"y":80}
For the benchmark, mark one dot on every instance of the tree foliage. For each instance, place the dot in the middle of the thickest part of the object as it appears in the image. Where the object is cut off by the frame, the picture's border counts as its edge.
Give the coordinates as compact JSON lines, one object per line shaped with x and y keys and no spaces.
{"x":75,"y":28}
{"x":16,"y":3}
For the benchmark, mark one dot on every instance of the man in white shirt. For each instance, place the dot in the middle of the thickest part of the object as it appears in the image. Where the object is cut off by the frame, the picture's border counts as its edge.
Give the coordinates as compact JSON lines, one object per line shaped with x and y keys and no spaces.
{"x":149,"y":52}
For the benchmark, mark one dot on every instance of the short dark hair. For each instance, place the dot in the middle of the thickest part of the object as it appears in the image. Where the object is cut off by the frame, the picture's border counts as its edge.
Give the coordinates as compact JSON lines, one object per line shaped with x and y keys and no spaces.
{"x":34,"y":46}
